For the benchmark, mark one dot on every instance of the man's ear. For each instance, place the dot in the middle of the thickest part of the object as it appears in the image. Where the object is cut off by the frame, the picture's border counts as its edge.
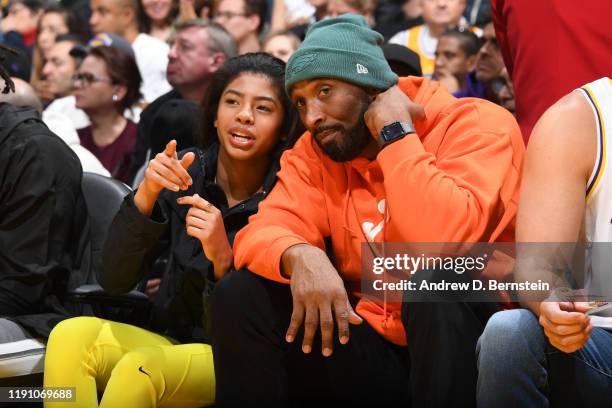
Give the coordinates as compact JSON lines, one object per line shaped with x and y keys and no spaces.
{"x":218,"y":59}
{"x":128,"y":12}
{"x":372,"y":93}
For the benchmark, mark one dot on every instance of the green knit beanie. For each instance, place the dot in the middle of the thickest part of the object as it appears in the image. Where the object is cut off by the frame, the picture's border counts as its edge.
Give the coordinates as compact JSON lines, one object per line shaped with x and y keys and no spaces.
{"x":342,"y":48}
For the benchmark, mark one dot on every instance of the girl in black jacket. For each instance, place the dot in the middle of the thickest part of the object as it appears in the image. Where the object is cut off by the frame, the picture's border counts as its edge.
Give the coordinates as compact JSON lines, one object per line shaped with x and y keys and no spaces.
{"x":189,"y":206}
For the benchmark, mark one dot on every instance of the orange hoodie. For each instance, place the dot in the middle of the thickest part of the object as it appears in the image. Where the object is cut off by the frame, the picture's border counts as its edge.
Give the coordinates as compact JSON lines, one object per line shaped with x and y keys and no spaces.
{"x":458,"y":181}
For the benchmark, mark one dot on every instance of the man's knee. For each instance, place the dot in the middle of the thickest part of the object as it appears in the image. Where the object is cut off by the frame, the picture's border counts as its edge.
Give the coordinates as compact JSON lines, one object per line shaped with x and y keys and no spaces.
{"x":231,"y":293}
{"x":508,"y":331}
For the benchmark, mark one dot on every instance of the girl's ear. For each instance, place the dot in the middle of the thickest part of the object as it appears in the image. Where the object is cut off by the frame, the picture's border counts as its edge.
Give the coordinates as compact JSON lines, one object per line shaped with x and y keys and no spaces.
{"x":215,"y":123}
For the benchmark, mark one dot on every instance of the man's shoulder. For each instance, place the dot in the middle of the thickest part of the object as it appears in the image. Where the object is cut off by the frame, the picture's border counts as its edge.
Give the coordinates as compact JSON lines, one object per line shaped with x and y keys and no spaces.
{"x":32,"y":140}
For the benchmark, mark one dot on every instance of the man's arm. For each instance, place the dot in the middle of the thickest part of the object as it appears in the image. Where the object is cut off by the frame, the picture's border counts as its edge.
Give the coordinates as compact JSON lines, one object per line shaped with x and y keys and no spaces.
{"x":462,"y":192}
{"x":293,"y":213}
{"x":288,"y":232}
{"x":559,"y":161}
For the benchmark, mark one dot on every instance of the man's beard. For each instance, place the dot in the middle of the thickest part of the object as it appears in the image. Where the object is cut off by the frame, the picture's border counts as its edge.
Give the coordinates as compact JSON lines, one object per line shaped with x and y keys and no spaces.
{"x":351,"y":142}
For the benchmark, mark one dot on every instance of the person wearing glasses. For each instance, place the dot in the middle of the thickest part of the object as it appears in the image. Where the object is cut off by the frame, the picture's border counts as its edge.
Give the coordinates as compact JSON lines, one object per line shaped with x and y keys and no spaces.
{"x":106,"y":85}
{"x":244,"y":20}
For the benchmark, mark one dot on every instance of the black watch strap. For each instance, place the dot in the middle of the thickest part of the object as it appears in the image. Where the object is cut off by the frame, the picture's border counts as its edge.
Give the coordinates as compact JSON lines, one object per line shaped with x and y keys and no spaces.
{"x":394,"y":132}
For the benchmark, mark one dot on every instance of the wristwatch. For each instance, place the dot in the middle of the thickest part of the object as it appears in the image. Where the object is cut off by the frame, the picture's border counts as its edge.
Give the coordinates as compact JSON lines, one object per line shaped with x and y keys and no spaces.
{"x":393,"y":132}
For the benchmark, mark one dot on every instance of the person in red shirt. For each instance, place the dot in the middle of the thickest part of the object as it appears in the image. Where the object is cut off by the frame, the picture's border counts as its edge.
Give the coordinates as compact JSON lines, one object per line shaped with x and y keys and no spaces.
{"x":551,"y":47}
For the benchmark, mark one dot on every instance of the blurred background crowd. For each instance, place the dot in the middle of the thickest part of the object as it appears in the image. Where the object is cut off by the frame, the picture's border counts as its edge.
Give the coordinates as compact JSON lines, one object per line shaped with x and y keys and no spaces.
{"x":118,"y":106}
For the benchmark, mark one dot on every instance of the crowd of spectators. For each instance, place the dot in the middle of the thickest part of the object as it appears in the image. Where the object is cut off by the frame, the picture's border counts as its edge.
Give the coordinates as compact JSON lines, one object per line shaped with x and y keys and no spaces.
{"x":47,"y":33}
{"x":129,"y":84}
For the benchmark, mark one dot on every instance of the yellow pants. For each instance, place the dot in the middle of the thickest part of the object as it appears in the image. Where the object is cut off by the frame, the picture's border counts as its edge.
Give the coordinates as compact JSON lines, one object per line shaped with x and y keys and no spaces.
{"x":134,"y":367}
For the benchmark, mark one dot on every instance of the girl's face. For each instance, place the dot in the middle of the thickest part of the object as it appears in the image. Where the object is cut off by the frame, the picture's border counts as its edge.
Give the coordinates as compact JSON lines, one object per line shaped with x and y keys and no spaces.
{"x":157,"y":10}
{"x":249,"y":117}
{"x":51,"y":25}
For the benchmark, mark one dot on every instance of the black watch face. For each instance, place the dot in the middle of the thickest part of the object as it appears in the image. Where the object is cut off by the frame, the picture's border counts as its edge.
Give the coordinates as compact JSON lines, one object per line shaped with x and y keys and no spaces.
{"x":392,"y":131}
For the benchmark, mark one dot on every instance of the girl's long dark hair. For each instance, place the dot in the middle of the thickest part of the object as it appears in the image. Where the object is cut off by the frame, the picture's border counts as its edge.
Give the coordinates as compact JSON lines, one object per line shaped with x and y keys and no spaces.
{"x":258,"y":63}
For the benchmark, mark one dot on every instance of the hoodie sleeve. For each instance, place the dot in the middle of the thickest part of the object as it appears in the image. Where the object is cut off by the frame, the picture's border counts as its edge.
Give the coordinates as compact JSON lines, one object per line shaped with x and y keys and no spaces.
{"x":467,"y":189}
{"x":292,"y":214}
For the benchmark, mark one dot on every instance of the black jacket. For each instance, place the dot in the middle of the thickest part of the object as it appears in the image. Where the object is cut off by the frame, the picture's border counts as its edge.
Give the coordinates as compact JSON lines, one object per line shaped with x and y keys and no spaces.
{"x":134,"y":242}
{"x":43,"y":222}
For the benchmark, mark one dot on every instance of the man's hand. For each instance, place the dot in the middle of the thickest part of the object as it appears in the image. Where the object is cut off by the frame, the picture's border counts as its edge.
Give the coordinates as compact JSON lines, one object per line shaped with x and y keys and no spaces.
{"x":318,"y":294}
{"x":165,"y":170}
{"x":204,"y":221}
{"x":565,"y":324}
{"x":391,"y":106}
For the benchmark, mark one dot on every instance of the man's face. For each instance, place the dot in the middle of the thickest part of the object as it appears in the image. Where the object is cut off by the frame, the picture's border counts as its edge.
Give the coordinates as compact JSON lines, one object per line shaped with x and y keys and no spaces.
{"x":489,"y":63}
{"x":230,"y":14}
{"x":451,"y":59}
{"x":59,"y":68}
{"x":189,"y":59}
{"x":109,"y":16}
{"x":442,"y":12}
{"x":332,"y":111}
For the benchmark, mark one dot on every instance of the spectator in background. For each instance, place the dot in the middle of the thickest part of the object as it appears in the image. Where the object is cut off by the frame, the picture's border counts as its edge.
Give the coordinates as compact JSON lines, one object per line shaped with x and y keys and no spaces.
{"x":60,"y":66}
{"x":156,"y":17}
{"x":58,"y":70}
{"x":456,"y":55}
{"x":550,"y":48}
{"x":244,"y":20}
{"x":197,"y":50}
{"x":364,"y":8}
{"x":55,"y":21}
{"x":489,"y":63}
{"x":281,"y":44}
{"x":439,"y":16}
{"x":106,"y":84}
{"x":121,"y":17}
{"x":22,"y":18}
{"x":393,"y":16}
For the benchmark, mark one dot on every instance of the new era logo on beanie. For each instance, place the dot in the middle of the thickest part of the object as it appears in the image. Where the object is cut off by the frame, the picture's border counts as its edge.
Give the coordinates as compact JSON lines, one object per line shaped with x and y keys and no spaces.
{"x":361,"y":69}
{"x":343,"y":48}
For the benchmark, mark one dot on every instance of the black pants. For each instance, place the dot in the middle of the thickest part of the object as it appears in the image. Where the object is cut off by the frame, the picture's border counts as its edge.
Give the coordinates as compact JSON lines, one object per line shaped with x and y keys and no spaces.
{"x":255,"y":366}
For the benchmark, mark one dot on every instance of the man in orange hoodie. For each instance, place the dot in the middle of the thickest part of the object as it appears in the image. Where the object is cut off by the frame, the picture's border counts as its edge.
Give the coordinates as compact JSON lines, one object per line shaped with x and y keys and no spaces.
{"x":382,"y":161}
